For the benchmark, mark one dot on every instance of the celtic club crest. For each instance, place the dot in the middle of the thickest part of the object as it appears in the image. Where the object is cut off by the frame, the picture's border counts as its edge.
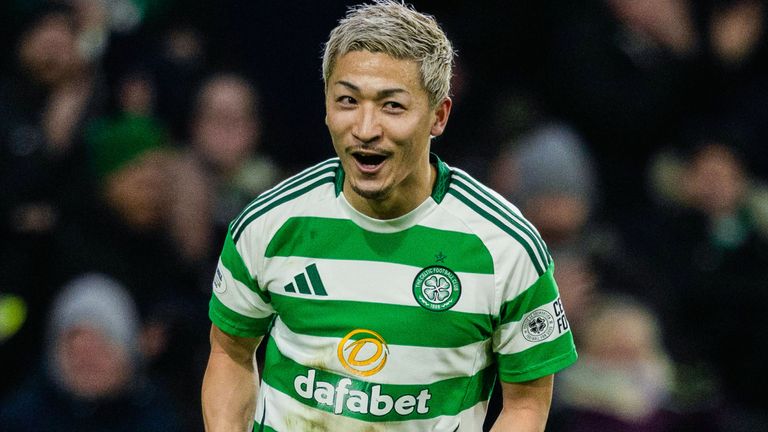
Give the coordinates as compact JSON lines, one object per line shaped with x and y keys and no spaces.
{"x":538,"y":326}
{"x":436,"y":288}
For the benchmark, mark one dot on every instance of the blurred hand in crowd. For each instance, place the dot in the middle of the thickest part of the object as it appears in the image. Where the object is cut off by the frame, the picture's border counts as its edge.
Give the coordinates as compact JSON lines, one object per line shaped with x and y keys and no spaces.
{"x":667,"y":22}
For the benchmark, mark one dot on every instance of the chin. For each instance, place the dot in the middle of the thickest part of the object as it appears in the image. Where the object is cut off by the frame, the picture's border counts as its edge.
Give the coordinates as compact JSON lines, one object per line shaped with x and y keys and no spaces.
{"x":375,"y":193}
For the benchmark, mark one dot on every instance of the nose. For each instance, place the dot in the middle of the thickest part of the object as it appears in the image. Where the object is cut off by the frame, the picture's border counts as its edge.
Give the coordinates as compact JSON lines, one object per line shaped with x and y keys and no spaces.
{"x":367,"y":128}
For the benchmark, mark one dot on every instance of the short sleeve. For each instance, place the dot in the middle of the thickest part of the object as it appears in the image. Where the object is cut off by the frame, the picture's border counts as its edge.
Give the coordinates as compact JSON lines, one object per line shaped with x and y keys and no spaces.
{"x":238,"y":305}
{"x":533,"y":337}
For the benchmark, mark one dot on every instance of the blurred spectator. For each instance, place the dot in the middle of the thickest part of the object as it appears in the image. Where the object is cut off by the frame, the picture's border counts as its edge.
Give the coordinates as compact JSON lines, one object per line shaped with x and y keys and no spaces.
{"x":620,"y":71}
{"x":136,"y":93}
{"x":224,"y":165}
{"x":51,"y":91}
{"x":716,"y":252}
{"x":43,"y":108}
{"x":624,"y":379}
{"x":132,"y":242}
{"x":92,"y":378}
{"x":734,"y":79}
{"x":550,"y":175}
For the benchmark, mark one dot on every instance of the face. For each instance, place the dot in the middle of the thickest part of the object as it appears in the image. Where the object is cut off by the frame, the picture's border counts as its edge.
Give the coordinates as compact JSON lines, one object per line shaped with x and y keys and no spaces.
{"x":380,"y":121}
{"x":48,"y":51}
{"x":90,"y":364}
{"x":226,"y":130}
{"x":138,"y":191}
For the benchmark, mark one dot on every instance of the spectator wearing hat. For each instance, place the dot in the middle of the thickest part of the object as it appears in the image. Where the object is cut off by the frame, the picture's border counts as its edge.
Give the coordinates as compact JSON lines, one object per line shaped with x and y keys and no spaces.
{"x":92,"y":378}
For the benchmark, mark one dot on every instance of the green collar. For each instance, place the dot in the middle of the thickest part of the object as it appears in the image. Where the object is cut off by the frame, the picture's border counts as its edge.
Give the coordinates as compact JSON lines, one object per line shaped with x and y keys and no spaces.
{"x":439,"y":190}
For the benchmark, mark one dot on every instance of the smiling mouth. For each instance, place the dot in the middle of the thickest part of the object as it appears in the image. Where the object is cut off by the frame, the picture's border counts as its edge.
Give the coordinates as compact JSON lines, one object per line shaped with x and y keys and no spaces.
{"x":369,"y":161}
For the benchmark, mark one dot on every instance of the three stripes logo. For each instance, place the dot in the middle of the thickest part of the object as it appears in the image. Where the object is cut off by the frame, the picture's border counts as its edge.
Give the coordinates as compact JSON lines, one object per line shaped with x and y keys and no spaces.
{"x":308,"y":282}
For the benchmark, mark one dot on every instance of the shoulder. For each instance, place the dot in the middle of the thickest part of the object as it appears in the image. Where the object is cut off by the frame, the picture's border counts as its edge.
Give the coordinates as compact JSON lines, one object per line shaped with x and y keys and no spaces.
{"x":494,"y":219}
{"x":288,"y":197}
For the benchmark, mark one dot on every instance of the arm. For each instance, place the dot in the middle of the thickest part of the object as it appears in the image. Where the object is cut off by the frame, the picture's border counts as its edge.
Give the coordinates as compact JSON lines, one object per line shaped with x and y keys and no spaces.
{"x":230,"y":383}
{"x":525,"y":406}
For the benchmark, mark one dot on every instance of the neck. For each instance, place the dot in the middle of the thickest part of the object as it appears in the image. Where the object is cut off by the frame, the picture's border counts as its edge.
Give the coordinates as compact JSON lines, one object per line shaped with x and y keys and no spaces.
{"x":405,"y":198}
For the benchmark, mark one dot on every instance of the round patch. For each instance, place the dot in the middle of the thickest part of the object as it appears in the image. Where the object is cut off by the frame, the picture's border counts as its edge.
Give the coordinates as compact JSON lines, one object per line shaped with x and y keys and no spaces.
{"x":436,"y":288}
{"x":538,"y":326}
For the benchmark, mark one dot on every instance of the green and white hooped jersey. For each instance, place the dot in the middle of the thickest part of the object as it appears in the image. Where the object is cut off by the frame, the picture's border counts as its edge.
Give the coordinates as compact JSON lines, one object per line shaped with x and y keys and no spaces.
{"x":399,"y":324}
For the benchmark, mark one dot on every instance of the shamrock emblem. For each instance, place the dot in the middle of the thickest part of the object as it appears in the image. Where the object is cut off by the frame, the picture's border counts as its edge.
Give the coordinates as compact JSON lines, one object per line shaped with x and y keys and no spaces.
{"x":437,"y":288}
{"x":537,"y":325}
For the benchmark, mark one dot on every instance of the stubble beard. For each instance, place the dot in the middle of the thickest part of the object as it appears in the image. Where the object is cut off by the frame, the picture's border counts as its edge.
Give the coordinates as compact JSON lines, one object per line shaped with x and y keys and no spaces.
{"x":376,"y":195}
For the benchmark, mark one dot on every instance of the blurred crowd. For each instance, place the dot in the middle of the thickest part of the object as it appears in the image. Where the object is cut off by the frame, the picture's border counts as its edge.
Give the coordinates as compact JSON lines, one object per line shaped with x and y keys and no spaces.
{"x":631,"y":133}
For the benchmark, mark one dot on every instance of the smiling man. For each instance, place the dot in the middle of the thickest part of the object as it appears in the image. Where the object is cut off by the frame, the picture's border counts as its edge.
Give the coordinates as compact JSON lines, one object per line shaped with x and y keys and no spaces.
{"x":395,"y":289}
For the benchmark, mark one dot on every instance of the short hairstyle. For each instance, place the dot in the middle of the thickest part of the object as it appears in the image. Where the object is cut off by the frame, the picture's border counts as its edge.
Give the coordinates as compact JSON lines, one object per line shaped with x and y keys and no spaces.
{"x":392,"y":28}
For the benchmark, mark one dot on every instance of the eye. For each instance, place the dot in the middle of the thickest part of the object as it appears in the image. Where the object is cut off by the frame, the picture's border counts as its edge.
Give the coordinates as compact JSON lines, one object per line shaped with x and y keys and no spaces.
{"x":394,"y":107}
{"x":346,"y":100}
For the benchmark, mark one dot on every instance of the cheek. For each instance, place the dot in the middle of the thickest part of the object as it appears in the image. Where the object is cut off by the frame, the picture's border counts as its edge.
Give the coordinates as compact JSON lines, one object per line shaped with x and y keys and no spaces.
{"x":407,"y":131}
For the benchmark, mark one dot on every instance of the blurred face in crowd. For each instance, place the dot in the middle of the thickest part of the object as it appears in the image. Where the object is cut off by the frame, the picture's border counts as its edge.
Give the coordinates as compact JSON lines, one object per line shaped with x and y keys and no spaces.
{"x":138,"y":191}
{"x":226,"y":130}
{"x":90,"y":364}
{"x":715,"y":181}
{"x":380,"y":121}
{"x":136,"y":94}
{"x":558,"y":217}
{"x":48,"y":52}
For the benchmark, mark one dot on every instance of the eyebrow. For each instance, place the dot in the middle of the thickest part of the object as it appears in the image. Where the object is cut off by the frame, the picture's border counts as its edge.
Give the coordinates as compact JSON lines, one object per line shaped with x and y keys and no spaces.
{"x":381,"y":94}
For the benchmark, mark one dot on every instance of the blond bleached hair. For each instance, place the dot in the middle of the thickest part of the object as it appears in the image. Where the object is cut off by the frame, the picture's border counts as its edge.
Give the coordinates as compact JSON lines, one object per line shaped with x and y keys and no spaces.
{"x":398,"y":30}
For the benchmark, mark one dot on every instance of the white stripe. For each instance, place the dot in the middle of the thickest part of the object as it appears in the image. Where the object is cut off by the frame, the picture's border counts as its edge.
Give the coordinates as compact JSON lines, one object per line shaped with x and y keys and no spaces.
{"x":384,"y":282}
{"x":522,"y":234}
{"x":510,"y":210}
{"x":285,"y":414}
{"x":239,"y":298}
{"x":510,"y":338}
{"x":261,"y":202}
{"x":404,"y":364}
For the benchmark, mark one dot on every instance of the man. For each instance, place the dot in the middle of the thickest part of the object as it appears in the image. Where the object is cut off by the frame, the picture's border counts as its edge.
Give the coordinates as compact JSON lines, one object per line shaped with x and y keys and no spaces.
{"x":394,"y":288}
{"x":91,"y":377}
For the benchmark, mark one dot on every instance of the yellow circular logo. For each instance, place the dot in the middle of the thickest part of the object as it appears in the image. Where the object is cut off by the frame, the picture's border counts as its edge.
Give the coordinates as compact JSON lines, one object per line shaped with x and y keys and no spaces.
{"x":363,"y":352}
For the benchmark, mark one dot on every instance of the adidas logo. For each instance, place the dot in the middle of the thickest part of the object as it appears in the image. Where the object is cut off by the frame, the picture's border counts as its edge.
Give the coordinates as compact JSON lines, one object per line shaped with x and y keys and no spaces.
{"x":313,"y":285}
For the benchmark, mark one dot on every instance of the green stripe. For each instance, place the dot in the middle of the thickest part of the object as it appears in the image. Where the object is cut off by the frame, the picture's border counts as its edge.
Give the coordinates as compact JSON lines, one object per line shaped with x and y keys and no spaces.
{"x":282,"y":200}
{"x":399,"y":325}
{"x":342,"y":239}
{"x":544,"y":290}
{"x":505,"y":212}
{"x":443,"y":180}
{"x":303,"y":177}
{"x":314,"y":278}
{"x":538,"y":361}
{"x":235,"y":324}
{"x":448,"y":397}
{"x":456,"y":193}
{"x":257,"y":427}
{"x":233,"y":261}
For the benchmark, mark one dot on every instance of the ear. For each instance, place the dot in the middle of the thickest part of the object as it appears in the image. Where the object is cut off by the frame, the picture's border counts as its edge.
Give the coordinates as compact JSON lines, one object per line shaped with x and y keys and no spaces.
{"x":442,"y":112}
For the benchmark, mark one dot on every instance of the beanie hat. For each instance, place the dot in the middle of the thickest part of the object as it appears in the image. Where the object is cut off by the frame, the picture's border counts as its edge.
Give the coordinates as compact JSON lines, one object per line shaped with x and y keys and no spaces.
{"x":99,"y":302}
{"x":115,"y":142}
{"x":553,"y":160}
